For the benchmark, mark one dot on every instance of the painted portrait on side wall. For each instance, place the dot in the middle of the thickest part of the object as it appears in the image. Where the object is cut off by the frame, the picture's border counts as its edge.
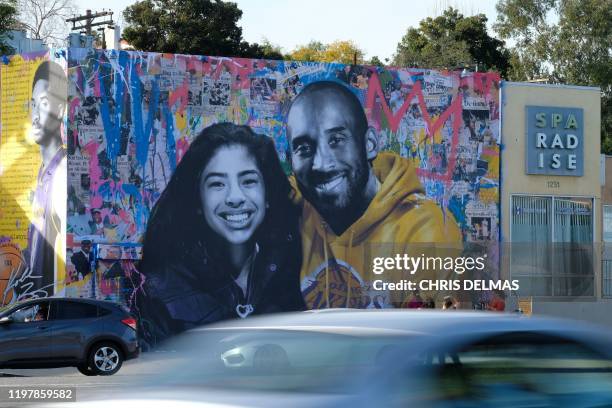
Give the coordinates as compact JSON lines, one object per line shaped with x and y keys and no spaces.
{"x":47,"y":232}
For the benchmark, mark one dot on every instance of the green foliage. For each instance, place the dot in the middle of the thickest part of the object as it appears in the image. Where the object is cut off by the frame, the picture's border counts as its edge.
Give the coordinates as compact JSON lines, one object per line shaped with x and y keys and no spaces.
{"x":202,"y":27}
{"x":8,"y":19}
{"x":450,"y":41}
{"x":566,"y":41}
{"x":337,"y":51}
{"x":265,"y":50}
{"x":606,"y":123}
{"x":375,"y":61}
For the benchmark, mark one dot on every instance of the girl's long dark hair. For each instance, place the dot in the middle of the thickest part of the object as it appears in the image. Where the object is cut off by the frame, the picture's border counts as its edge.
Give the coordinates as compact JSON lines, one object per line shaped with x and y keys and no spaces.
{"x":176,"y":230}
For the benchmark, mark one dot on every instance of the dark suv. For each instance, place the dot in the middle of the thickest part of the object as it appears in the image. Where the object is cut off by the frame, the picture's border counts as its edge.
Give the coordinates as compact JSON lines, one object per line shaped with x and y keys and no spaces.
{"x":93,"y":335}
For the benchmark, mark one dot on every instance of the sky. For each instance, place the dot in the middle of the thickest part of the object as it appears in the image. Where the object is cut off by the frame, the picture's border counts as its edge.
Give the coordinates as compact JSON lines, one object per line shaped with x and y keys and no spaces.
{"x":375,"y":26}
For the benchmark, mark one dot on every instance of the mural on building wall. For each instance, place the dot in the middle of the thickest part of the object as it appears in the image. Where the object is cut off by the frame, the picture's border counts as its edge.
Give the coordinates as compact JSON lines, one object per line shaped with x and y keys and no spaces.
{"x":33,"y":175}
{"x":133,"y":117}
{"x":378,"y":160}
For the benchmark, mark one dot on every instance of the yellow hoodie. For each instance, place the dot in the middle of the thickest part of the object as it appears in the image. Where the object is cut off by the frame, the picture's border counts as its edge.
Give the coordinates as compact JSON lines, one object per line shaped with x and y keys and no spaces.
{"x":337,"y":271}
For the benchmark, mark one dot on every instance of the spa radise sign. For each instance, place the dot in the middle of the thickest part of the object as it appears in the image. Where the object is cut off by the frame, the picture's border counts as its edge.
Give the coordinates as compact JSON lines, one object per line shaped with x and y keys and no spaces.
{"x":555,"y":141}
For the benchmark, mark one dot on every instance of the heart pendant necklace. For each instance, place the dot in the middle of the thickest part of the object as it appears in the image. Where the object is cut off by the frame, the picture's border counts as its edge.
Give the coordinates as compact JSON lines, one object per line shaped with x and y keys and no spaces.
{"x":244,"y":310}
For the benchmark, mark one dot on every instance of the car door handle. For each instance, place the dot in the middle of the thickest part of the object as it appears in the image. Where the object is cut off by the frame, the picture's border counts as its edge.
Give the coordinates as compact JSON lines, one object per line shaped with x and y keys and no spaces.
{"x":42,"y":327}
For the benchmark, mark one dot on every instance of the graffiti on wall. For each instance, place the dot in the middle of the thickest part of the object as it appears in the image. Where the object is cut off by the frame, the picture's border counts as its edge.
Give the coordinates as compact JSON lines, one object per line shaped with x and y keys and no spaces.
{"x":32,"y":175}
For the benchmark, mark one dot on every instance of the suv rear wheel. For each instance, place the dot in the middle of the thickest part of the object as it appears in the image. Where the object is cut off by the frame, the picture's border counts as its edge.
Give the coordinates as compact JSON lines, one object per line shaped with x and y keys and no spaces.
{"x":105,"y":359}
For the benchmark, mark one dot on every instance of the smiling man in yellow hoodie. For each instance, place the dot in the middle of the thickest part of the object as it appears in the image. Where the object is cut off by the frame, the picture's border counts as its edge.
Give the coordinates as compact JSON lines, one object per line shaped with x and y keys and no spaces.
{"x":358,"y":204}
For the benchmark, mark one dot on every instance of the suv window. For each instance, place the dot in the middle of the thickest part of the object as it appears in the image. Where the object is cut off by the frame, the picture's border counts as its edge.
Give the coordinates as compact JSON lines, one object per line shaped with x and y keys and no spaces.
{"x":35,"y":312}
{"x":75,"y":310}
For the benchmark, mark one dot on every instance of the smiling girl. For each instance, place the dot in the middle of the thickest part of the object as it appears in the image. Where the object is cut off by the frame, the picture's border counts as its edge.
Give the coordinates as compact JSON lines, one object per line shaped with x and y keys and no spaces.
{"x":222,"y":241}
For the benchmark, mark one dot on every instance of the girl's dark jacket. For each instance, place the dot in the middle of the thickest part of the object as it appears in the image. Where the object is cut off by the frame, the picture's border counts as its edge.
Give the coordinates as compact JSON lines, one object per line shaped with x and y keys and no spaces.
{"x":199,"y":290}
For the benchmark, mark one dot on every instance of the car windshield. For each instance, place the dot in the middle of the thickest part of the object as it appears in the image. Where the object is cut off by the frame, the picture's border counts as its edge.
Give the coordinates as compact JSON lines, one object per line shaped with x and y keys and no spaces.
{"x":280,"y":360}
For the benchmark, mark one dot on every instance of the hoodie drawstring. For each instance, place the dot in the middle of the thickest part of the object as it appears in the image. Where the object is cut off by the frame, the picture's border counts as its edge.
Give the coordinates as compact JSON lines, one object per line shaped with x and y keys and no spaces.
{"x":326,"y":264}
{"x":350,"y":274}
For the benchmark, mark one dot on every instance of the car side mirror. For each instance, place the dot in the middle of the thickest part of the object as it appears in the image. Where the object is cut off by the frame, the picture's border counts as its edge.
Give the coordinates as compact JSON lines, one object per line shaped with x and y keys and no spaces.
{"x":6,"y":320}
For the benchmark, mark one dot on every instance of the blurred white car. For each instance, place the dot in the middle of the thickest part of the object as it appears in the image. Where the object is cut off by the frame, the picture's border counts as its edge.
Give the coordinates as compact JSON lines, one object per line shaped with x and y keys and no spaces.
{"x":383,"y":358}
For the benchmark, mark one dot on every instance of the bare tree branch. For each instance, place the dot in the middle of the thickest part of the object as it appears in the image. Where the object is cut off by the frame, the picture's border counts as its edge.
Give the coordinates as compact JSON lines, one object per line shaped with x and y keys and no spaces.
{"x":45,"y":19}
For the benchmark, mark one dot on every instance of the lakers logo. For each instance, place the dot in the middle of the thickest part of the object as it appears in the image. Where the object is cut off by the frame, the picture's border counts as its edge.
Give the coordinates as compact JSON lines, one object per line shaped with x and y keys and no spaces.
{"x":11,"y":268}
{"x":337,"y":285}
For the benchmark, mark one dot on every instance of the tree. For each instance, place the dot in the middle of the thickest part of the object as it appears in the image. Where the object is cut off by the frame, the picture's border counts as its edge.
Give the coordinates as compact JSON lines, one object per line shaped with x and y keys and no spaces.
{"x":45,"y":19}
{"x":202,"y":27}
{"x":450,"y":41}
{"x":309,"y":52}
{"x":564,"y":41}
{"x":375,"y":61}
{"x":344,"y":52}
{"x":265,"y":50}
{"x":8,"y":14}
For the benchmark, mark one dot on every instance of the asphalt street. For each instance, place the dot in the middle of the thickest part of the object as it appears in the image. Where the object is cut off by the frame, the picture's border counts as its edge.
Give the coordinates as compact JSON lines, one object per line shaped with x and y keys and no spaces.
{"x":136,"y":371}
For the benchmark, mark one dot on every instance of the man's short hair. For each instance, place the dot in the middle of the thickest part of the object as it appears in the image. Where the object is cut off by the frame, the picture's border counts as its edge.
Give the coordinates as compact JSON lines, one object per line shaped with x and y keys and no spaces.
{"x":86,"y":242}
{"x":337,"y":88}
{"x":54,"y":74}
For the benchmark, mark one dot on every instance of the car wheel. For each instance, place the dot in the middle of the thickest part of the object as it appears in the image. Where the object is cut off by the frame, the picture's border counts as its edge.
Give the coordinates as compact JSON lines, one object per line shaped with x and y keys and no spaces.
{"x":105,"y":359}
{"x":85,"y":370}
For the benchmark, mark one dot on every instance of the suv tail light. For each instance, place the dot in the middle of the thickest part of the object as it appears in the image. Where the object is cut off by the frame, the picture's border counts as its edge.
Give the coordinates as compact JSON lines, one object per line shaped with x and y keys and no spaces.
{"x":129,"y":321}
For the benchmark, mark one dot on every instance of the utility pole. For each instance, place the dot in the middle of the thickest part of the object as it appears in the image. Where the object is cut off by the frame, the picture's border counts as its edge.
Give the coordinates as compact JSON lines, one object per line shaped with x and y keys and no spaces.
{"x":89,"y":21}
